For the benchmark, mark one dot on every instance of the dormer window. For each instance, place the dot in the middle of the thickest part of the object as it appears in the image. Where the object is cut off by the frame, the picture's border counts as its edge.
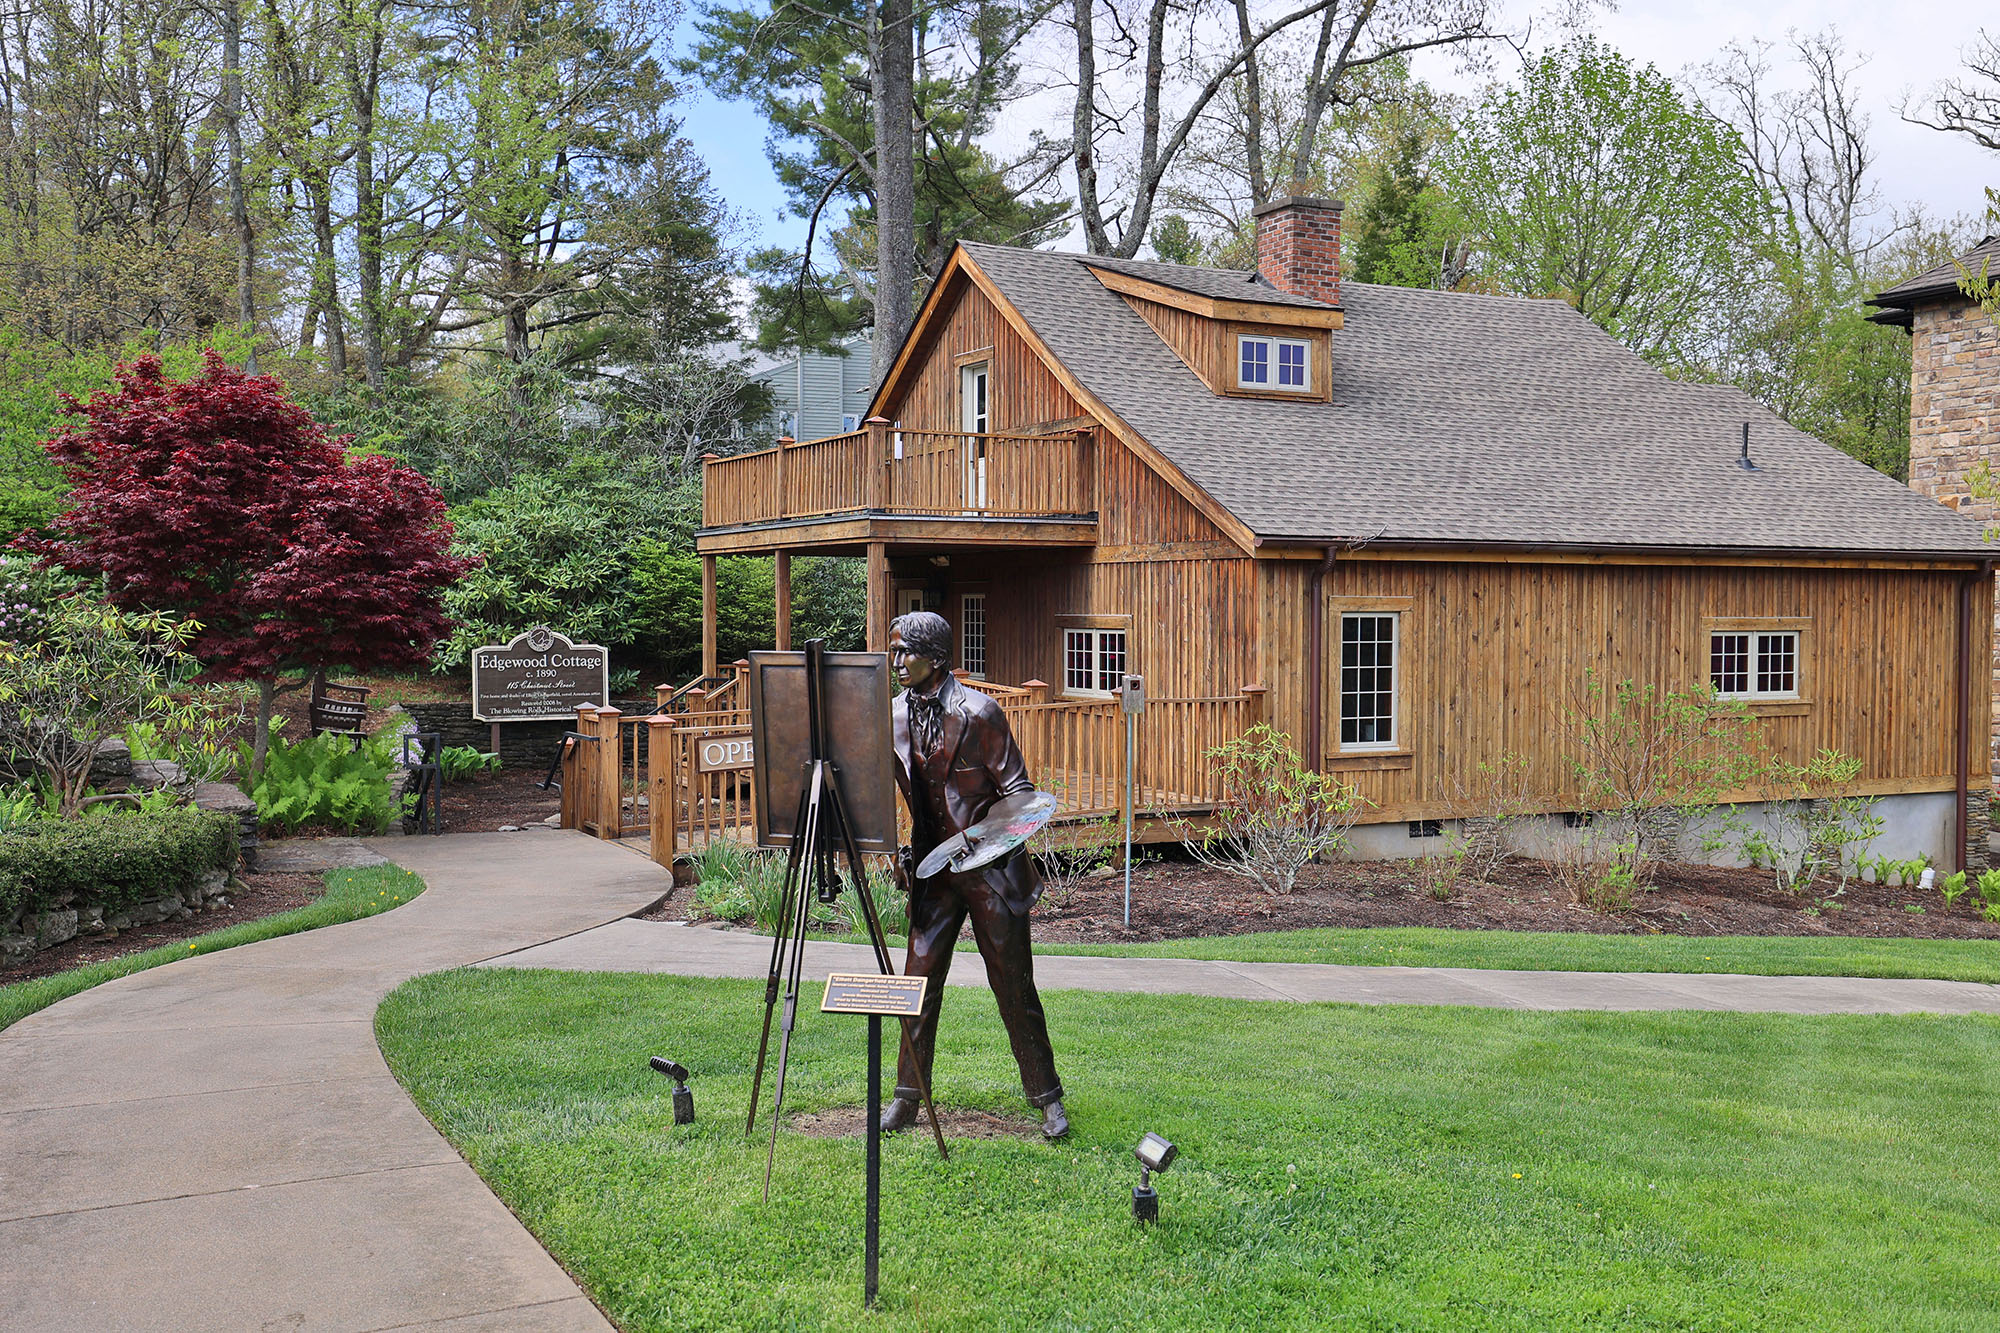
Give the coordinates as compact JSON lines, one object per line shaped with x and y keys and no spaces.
{"x":1268,"y":363}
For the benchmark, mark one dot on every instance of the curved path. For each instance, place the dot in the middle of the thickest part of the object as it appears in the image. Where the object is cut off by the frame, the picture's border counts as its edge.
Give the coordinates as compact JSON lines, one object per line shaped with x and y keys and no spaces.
{"x":217,"y":1143}
{"x":667,"y":946}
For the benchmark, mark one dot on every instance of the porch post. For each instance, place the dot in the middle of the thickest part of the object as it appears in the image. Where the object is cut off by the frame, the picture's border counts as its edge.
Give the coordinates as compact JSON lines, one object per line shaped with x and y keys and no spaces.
{"x":781,"y":580}
{"x":707,"y":616}
{"x":659,"y":781}
{"x":610,"y":776}
{"x":878,"y":597}
{"x":878,"y":462}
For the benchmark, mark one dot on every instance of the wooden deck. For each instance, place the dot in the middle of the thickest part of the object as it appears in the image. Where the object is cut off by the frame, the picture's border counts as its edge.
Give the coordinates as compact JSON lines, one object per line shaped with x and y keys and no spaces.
{"x":656,"y":777}
{"x":917,"y":476}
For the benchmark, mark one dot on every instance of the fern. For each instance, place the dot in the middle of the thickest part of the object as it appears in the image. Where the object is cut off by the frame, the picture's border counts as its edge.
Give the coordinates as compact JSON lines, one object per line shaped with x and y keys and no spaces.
{"x":326,"y":782}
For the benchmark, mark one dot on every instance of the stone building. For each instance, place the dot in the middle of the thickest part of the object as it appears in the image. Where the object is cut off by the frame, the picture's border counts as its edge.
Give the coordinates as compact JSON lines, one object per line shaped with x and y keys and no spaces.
{"x":1954,"y":393}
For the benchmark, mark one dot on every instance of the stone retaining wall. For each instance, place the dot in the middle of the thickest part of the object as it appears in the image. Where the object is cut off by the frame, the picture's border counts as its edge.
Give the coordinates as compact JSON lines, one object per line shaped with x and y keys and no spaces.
{"x":524,"y":745}
{"x":29,"y":931}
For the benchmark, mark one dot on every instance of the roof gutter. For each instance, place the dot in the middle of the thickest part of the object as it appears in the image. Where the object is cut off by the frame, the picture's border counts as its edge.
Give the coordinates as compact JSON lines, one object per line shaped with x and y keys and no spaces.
{"x":1691,"y":554}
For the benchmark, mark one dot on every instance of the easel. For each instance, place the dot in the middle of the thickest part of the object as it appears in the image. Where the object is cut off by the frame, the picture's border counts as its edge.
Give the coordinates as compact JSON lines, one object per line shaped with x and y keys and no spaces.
{"x":823,"y":834}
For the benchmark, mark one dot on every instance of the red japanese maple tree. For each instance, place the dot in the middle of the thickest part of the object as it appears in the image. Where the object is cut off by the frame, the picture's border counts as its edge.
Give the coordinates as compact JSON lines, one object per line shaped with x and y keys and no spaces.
{"x":221,"y":501}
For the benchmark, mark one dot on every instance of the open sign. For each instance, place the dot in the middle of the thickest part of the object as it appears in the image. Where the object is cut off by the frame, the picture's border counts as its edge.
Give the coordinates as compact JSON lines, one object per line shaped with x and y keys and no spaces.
{"x":720,"y":754}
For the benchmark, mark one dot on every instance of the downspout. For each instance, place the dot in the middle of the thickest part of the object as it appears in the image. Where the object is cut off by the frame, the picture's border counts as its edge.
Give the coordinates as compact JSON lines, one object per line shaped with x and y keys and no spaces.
{"x":1316,"y":658}
{"x":1963,"y":733}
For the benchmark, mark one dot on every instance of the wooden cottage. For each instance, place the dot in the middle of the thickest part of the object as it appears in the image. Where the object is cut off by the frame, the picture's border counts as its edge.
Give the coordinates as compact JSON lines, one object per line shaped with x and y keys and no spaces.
{"x":1399,"y":525}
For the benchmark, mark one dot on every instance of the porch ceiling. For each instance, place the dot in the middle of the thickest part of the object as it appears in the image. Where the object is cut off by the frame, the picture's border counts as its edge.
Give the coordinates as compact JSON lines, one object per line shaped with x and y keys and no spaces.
{"x":853,"y":532}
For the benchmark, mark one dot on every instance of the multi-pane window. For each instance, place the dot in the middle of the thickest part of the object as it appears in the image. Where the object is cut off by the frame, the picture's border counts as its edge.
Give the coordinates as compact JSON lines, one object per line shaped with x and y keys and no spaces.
{"x":1093,"y":660}
{"x":1746,"y":664}
{"x":1291,"y":365}
{"x":1273,"y":363}
{"x":972,"y":633}
{"x":1367,"y":680}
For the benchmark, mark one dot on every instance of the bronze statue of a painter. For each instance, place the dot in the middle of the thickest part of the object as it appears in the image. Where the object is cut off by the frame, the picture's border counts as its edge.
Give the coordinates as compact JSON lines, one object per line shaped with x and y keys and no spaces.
{"x":955,"y":759}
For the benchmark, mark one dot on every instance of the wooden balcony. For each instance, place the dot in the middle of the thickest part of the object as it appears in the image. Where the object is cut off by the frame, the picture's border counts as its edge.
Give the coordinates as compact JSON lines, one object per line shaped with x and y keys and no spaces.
{"x":885,"y":484}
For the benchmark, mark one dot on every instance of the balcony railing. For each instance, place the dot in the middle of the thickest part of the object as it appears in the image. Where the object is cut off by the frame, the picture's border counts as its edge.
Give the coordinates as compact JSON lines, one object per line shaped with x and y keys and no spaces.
{"x":904,"y":472}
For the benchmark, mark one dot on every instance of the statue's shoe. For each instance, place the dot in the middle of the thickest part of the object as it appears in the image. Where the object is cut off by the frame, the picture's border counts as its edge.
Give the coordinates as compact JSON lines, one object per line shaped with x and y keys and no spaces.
{"x":900,"y":1113}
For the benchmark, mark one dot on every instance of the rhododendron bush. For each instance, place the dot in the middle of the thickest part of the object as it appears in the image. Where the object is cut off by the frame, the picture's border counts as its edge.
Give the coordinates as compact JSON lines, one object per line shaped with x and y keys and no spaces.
{"x":220,"y":501}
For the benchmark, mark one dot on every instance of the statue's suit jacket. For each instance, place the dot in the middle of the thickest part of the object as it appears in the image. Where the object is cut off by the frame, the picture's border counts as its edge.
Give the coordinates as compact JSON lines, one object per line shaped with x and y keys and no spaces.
{"x":977,"y":765}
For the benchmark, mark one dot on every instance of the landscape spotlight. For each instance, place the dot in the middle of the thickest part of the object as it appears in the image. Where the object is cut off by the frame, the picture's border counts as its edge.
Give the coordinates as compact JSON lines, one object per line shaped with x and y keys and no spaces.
{"x":683,"y":1099}
{"x":1154,"y":1154}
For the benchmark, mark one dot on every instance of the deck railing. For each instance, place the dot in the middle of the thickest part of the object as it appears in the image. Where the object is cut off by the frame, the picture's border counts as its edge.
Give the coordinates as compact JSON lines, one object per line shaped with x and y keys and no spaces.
{"x":684,"y":780}
{"x":915,"y":472}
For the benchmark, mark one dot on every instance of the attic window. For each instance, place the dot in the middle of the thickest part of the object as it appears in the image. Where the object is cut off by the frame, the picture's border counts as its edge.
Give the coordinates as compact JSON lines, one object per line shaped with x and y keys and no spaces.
{"x":1267,"y":363}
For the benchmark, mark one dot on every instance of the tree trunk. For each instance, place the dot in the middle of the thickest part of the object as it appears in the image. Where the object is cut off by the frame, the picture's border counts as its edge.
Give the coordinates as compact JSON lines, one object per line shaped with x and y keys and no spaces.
{"x":326,"y":291}
{"x":232,"y":134}
{"x":267,"y":697}
{"x":895,"y":182}
{"x":362,"y":52}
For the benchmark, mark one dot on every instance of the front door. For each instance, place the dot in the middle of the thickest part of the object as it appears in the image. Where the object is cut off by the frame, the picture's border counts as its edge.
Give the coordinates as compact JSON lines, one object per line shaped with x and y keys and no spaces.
{"x":975,"y":419}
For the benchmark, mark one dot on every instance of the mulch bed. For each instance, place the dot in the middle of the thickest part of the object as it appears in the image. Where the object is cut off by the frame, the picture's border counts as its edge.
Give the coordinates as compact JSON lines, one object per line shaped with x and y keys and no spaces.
{"x":1181,"y":900}
{"x":1177,"y":900}
{"x":262,"y":895}
{"x":485,"y":802}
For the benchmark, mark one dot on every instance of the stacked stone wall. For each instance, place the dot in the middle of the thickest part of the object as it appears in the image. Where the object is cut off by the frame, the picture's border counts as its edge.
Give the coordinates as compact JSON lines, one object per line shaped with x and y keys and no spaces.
{"x":1955,"y":426}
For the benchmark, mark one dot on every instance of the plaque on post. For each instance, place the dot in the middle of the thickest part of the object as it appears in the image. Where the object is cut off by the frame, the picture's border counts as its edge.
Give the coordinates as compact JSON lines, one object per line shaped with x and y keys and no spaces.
{"x":539,"y":676}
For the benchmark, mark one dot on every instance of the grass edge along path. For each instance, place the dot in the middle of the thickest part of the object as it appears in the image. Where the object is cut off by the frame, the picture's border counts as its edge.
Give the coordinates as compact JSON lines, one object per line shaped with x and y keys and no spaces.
{"x":1341,"y":1166}
{"x":1576,"y":951}
{"x":349,"y":896}
{"x":1556,"y":951}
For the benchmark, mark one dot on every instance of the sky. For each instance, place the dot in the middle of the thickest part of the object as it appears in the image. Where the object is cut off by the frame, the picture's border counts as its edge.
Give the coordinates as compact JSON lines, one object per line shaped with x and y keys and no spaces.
{"x":1910,"y":46}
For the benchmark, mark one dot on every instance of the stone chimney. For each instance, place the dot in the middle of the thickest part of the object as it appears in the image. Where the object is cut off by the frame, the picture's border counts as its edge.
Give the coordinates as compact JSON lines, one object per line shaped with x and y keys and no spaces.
{"x":1298,"y":246}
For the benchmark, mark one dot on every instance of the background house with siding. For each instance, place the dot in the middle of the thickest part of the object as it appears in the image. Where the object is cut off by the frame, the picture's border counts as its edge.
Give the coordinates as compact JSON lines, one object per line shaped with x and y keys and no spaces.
{"x":816,"y":394}
{"x":1402,"y":526}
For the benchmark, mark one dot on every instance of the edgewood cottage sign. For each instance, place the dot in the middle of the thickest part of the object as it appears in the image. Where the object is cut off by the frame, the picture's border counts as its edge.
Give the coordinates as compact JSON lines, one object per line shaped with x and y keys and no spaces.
{"x":540,"y":677}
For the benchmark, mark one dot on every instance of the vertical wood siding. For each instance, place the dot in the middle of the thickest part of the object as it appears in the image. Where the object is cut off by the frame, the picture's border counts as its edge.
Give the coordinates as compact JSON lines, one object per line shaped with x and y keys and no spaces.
{"x":1024,"y":394}
{"x":1491,"y":653}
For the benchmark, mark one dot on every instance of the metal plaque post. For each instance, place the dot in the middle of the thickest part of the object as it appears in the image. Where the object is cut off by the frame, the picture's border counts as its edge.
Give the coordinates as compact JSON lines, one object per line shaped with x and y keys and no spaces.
{"x":874,"y":995}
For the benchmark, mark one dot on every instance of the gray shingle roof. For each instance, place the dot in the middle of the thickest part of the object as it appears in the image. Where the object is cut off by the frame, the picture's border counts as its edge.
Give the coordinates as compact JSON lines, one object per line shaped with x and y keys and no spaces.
{"x":1936,"y":282}
{"x":1221,"y":284}
{"x":1478,"y":419}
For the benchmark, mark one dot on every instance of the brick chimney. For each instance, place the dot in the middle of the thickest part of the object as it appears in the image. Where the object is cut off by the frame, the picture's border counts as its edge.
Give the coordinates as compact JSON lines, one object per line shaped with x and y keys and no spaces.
{"x":1298,"y":246}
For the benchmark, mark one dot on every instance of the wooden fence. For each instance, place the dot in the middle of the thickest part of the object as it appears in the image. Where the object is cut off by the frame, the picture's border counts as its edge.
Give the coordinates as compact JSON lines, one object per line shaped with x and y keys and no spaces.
{"x":684,"y":780}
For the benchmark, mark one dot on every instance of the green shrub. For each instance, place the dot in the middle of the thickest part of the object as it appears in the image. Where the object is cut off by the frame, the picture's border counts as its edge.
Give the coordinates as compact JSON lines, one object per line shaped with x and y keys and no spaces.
{"x":323,"y":781}
{"x":119,"y":860}
{"x":462,"y":761}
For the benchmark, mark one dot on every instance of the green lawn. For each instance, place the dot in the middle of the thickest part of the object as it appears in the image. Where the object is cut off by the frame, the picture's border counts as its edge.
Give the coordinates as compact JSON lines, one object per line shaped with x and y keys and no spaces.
{"x":1566,"y":951}
{"x":1342,"y":1167}
{"x":350,"y":894}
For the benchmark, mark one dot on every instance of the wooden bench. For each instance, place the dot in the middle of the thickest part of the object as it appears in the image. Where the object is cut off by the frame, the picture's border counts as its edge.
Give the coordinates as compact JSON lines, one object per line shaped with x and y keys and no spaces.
{"x":337,"y":707}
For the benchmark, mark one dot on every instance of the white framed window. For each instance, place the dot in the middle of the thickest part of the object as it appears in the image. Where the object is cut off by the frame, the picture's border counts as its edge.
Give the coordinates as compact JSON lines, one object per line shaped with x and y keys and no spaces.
{"x":1754,"y":664}
{"x":972,"y":633}
{"x":1368,"y":680}
{"x":850,"y":422}
{"x":1265,"y":362}
{"x":1093,"y":660}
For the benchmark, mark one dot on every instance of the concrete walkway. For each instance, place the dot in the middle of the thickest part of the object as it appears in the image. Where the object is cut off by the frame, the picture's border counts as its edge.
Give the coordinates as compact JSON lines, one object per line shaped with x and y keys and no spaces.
{"x":217,"y":1144}
{"x":662,"y":946}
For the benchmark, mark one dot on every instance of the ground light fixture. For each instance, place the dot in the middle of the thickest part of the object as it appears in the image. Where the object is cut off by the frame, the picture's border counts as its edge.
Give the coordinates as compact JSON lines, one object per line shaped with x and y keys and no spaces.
{"x":1154,"y":1154}
{"x":683,"y":1099}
